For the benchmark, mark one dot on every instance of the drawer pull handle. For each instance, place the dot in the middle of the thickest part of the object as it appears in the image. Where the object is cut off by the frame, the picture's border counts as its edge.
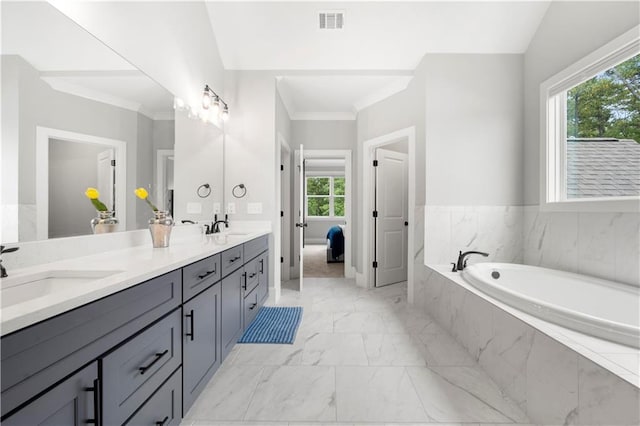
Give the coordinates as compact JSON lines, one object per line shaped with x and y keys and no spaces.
{"x":161,"y":423}
{"x":96,"y":402}
{"x":253,"y":275}
{"x":206,"y":274}
{"x":156,"y":359}
{"x":253,"y":305}
{"x":262,"y":266}
{"x":191,"y":317}
{"x":234,"y":259}
{"x":244,"y":276}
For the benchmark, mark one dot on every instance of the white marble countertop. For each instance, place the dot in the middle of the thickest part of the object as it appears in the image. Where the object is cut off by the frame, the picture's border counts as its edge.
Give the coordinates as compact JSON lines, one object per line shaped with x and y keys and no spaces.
{"x":623,"y":361}
{"x":134,"y":265}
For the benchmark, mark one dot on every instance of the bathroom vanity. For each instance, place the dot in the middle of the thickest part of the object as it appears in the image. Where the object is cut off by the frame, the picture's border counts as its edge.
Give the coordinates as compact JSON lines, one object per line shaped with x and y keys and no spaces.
{"x":127,"y":350}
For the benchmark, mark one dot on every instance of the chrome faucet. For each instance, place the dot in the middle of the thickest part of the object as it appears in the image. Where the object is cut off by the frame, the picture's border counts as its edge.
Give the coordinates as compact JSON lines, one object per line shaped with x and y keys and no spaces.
{"x":3,"y":250}
{"x":462,"y":260}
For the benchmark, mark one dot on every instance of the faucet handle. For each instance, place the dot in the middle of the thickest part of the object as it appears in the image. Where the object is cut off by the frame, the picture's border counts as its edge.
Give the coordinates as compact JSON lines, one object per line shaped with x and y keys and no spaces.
{"x":454,"y":269}
{"x":8,"y":250}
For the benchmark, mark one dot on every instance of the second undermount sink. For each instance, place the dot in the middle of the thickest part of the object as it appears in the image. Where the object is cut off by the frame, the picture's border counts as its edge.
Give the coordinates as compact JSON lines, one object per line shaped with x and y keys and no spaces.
{"x":19,"y":289}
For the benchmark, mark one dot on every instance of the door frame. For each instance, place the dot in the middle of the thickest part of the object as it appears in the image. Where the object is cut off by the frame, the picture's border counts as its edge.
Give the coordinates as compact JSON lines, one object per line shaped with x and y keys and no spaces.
{"x":161,"y":170}
{"x":365,"y":279}
{"x":43,"y":136}
{"x":280,"y":249}
{"x":346,"y":154}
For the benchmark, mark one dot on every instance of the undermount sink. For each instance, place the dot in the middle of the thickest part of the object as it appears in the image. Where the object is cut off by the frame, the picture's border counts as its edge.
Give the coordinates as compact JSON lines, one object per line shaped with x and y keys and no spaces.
{"x":22,"y":288}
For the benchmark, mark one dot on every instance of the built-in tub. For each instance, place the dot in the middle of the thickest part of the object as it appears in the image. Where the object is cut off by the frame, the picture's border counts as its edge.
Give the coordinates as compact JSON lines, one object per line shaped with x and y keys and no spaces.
{"x":593,"y":306}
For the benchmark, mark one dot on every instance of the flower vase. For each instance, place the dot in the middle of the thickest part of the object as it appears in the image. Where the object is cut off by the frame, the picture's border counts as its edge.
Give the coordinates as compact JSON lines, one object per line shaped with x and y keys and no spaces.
{"x":105,"y":223}
{"x":160,"y":227}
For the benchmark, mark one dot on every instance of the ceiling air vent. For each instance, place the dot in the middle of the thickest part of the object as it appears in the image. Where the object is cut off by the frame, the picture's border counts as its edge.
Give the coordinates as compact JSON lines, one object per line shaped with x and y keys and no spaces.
{"x":333,"y":20}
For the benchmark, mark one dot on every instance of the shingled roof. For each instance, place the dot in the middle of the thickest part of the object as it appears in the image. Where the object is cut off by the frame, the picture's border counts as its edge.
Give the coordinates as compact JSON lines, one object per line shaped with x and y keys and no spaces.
{"x":599,"y":167}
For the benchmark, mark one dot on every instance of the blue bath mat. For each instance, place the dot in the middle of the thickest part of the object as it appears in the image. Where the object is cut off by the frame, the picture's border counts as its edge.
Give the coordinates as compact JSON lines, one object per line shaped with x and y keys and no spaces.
{"x":273,"y":325}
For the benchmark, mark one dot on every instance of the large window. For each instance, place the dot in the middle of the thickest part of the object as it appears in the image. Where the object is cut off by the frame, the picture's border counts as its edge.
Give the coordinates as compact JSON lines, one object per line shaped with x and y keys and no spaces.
{"x":593,"y":129}
{"x":325,"y":196}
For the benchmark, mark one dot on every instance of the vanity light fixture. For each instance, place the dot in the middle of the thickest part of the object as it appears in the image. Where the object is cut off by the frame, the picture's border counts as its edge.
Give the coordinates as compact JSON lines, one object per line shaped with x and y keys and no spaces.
{"x":210,"y":99}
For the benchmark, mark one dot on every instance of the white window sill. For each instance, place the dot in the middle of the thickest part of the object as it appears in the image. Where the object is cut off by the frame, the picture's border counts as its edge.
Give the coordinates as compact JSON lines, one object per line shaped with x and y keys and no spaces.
{"x":326,"y":218}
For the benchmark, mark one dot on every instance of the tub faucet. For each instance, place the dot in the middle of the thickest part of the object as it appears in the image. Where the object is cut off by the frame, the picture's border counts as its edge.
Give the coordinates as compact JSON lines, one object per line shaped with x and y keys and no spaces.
{"x":462,"y":259}
{"x":3,"y":250}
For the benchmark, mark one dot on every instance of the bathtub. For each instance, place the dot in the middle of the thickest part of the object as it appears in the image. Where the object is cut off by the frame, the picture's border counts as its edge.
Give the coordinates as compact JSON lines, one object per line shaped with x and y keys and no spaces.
{"x":593,"y":306}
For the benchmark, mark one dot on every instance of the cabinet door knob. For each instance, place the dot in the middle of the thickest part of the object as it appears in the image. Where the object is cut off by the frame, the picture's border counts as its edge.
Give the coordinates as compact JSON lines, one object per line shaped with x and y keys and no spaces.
{"x":191,"y":335}
{"x":96,"y":402}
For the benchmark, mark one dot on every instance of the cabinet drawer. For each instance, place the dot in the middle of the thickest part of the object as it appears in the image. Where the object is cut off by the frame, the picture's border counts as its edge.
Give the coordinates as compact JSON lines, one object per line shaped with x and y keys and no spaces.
{"x":255,"y":247}
{"x":136,"y":369}
{"x":39,"y":356}
{"x":251,"y":308}
{"x":251,"y":276}
{"x":164,"y":407}
{"x":200,"y":275}
{"x":231,"y":260}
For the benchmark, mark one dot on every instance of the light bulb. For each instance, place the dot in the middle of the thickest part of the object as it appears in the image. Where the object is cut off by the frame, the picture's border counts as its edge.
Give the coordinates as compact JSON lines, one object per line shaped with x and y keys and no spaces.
{"x":178,"y":104}
{"x":206,"y":98}
{"x":216,"y":106}
{"x":225,"y":113}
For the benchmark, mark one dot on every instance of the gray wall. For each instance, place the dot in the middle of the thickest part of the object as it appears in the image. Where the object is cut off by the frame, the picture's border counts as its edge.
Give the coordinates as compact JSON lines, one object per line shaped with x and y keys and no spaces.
{"x":553,"y":48}
{"x":72,"y":169}
{"x":40,"y":105}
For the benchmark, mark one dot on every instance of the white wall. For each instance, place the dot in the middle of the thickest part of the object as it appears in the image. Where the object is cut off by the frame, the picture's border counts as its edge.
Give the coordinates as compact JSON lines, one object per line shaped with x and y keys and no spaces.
{"x":171,"y":42}
{"x":323,"y":134}
{"x":606,"y":245}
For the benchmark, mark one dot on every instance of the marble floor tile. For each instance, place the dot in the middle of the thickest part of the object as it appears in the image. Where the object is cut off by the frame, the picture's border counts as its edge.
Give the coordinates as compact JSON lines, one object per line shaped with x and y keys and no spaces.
{"x":227,"y":396}
{"x":294,"y":393}
{"x":315,"y":322}
{"x":377,"y":394}
{"x":358,"y":322}
{"x":442,"y":349}
{"x":393,"y":349}
{"x":271,"y":354}
{"x":334,"y":349}
{"x":463,"y":394}
{"x":333,"y":304}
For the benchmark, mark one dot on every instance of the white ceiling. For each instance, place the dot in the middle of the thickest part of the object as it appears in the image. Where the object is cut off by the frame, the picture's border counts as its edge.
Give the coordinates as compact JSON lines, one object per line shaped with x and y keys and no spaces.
{"x":71,"y":60}
{"x":336,"y":97}
{"x":376,"y":36}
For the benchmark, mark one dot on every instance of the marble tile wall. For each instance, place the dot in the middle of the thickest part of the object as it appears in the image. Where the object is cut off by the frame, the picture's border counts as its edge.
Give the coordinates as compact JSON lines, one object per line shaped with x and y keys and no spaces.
{"x":496,"y":230}
{"x":550,"y":382}
{"x":605,"y":245}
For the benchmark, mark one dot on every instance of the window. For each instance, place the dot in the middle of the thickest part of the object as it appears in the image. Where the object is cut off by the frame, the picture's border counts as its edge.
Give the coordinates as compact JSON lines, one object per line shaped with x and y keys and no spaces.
{"x":593,"y":130}
{"x":325,"y":196}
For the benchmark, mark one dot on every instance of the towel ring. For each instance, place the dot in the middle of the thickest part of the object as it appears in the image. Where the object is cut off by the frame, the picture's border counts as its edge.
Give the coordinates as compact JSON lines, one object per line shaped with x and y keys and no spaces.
{"x":239,"y":190}
{"x":204,"y":190}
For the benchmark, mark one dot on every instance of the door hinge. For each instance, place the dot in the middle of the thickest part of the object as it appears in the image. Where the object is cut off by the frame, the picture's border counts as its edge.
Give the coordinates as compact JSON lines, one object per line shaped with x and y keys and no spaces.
{"x":281,"y":167}
{"x":282,"y":260}
{"x":375,"y":163}
{"x":281,"y":213}
{"x":375,"y":264}
{"x":375,"y":213}
{"x":113,"y":163}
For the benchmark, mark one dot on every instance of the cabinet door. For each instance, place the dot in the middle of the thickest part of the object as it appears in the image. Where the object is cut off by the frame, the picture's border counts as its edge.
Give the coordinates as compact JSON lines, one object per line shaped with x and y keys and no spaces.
{"x":232,"y":288}
{"x":72,"y":402}
{"x":263,"y":280}
{"x":201,"y":342}
{"x":164,"y":408}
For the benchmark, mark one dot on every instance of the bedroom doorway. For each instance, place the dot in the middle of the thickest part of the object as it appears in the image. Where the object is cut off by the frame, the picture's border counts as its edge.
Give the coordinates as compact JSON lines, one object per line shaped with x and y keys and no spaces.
{"x":323,"y":195}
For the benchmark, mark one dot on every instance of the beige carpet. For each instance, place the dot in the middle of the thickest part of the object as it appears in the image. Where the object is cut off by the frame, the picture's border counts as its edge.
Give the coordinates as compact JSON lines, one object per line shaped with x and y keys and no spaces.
{"x":315,"y":263}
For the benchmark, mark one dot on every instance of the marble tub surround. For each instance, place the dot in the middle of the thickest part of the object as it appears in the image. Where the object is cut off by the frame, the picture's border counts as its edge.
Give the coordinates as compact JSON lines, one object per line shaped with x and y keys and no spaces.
{"x":604,"y":245}
{"x":496,"y":230}
{"x":134,"y":265}
{"x":555,"y":375}
{"x":361,"y":357}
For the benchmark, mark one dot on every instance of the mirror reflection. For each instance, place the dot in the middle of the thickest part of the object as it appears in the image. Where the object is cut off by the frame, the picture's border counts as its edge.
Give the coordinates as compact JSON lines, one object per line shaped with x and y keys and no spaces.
{"x":76,"y":115}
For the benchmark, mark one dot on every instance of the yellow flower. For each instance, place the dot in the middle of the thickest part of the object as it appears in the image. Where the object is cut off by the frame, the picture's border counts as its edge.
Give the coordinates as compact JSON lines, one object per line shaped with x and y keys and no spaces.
{"x":92,"y":193}
{"x":141,"y":193}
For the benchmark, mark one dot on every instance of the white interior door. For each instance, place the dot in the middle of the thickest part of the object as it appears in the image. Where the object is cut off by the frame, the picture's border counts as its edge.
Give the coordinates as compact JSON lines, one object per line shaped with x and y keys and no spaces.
{"x":392,"y":207}
{"x":302,"y":224}
{"x":106,"y":177}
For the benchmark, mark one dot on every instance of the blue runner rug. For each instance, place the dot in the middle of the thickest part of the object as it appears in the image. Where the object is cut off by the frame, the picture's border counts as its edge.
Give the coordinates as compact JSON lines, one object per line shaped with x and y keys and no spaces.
{"x":273,"y":324}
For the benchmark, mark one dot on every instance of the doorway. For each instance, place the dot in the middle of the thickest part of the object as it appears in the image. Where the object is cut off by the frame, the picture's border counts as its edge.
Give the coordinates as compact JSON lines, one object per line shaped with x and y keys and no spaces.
{"x":108,"y":160}
{"x":368,"y":253}
{"x":323,"y":197}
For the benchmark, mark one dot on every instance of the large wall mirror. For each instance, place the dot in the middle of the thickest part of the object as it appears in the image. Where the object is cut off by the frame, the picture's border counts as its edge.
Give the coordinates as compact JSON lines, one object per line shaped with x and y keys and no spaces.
{"x":75,"y":114}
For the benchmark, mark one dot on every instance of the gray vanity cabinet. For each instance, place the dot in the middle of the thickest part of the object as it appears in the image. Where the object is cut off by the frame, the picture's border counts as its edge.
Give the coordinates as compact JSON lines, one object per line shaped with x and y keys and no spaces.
{"x":201,"y":325}
{"x":263,"y":278}
{"x":164,"y":408}
{"x":73,"y":402}
{"x":232,"y":290}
